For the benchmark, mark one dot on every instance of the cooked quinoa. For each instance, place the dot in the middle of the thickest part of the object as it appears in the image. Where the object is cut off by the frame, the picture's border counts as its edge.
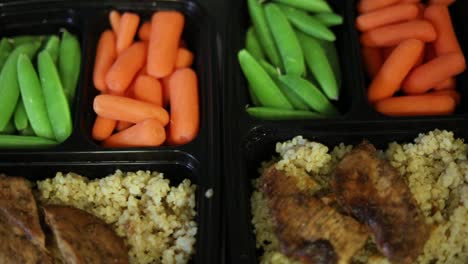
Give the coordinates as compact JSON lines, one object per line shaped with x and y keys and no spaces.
{"x":435,"y":167}
{"x":155,"y":219}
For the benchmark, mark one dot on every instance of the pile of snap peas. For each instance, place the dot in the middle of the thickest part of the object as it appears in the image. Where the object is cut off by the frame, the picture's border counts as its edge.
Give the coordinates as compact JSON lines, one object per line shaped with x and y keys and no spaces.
{"x":290,"y":59}
{"x":38,"y":80}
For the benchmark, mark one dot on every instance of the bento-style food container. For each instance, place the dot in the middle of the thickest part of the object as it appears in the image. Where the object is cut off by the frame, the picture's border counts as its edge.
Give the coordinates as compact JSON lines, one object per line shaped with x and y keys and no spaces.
{"x":198,"y":161}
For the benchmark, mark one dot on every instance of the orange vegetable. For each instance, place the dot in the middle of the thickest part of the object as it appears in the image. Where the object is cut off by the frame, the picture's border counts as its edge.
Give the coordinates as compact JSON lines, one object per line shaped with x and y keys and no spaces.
{"x":114,"y":19}
{"x":145,"y":31}
{"x":446,"y":41}
{"x":427,"y":76}
{"x":387,"y":51}
{"x":127,"y":65}
{"x":148,"y":133}
{"x":165,"y":85}
{"x":373,"y":60}
{"x":185,"y":112}
{"x":127,"y":109}
{"x":148,"y":89}
{"x":392,"y":35}
{"x":184,"y":58}
{"x":365,"y":6}
{"x":122,"y":125}
{"x":127,"y":30}
{"x":430,"y":52}
{"x":410,"y":1}
{"x":421,"y":9}
{"x":166,"y":29}
{"x":105,"y":56}
{"x":103,"y":128}
{"x":441,"y":2}
{"x":448,"y":84}
{"x":386,"y":16}
{"x":417,"y":105}
{"x":394,"y":70}
{"x":452,"y":93}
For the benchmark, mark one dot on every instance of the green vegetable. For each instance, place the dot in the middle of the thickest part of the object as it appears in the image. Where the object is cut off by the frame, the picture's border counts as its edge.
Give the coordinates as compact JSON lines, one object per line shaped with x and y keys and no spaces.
{"x":263,"y":31}
{"x":33,"y":98}
{"x":319,"y":65}
{"x":28,"y":131}
{"x":9,"y":88}
{"x":25,"y":39}
{"x":56,"y":101}
{"x":292,"y":97}
{"x":52,"y":45}
{"x":252,"y":45}
{"x":69,"y":64}
{"x":286,"y":40}
{"x":253,"y":97}
{"x":13,"y":141}
{"x":281,"y":114}
{"x":332,"y":55}
{"x":311,"y":95}
{"x":262,"y":85}
{"x":21,"y":118}
{"x":329,"y":19}
{"x":9,"y":129}
{"x":308,"y":24}
{"x":5,"y":50}
{"x":308,"y":5}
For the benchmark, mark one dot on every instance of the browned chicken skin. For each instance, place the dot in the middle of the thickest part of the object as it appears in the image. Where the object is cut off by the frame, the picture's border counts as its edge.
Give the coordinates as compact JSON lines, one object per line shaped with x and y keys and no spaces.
{"x":373,"y":191}
{"x":309,"y":230}
{"x":83,"y":238}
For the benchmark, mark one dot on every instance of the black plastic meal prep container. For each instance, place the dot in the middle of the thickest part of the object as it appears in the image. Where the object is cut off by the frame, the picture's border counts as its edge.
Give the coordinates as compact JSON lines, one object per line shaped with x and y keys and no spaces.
{"x":199,"y":160}
{"x":249,"y":141}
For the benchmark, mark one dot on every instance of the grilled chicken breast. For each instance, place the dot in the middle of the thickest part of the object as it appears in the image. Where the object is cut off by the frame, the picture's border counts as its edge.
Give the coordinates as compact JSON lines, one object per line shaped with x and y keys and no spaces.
{"x":309,"y":230}
{"x":373,"y":191}
{"x":83,"y":238}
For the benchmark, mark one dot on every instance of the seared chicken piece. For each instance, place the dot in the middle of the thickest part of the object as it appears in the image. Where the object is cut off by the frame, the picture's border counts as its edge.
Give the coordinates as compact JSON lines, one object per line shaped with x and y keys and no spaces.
{"x":83,"y":238}
{"x":373,"y":191}
{"x":18,"y":206}
{"x":309,"y":230}
{"x":17,"y":248}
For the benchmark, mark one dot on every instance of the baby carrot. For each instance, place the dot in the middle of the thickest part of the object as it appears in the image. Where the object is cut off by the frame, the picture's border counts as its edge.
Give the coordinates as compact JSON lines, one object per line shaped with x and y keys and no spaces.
{"x":394,"y":70}
{"x":126,"y":109}
{"x":417,"y":105}
{"x":103,"y":128}
{"x":446,"y":41}
{"x":387,"y":51}
{"x":366,"y":6}
{"x":373,"y":60}
{"x":428,"y":75}
{"x":114,"y":19}
{"x":421,"y":9}
{"x":184,"y":58}
{"x":148,"y":133}
{"x":441,"y":2}
{"x":124,"y":69}
{"x":122,"y":125}
{"x":145,"y":31}
{"x":430,"y":53}
{"x":127,"y":29}
{"x":448,"y":84}
{"x":166,"y":29}
{"x":452,"y":93}
{"x":105,"y":56}
{"x":392,"y":35}
{"x":185,"y":112}
{"x":148,"y":89}
{"x":410,"y":1}
{"x":386,"y":16}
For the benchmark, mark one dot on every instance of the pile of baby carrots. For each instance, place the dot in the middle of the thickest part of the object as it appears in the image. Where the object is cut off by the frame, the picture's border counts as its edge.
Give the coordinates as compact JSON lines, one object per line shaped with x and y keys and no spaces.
{"x":412,"y":55}
{"x":141,"y":79}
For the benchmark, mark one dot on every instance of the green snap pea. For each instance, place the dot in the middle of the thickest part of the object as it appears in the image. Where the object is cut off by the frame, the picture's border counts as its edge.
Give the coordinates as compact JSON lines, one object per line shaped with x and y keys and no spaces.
{"x":52,"y":45}
{"x":292,"y":97}
{"x":263,"y":31}
{"x":33,"y":98}
{"x":308,"y":5}
{"x":254,"y":97}
{"x":20,"y":116}
{"x":286,"y":40}
{"x":9,"y":129}
{"x":262,"y":85}
{"x":252,"y":45}
{"x":268,"y":113}
{"x":69,"y":64}
{"x":5,"y":50}
{"x":329,"y":19}
{"x":319,"y":65}
{"x":21,"y":40}
{"x":307,"y":24}
{"x":55,"y":98}
{"x":28,"y":131}
{"x":9,"y":87}
{"x":311,"y":94}
{"x":332,"y":55}
{"x":14,"y":141}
